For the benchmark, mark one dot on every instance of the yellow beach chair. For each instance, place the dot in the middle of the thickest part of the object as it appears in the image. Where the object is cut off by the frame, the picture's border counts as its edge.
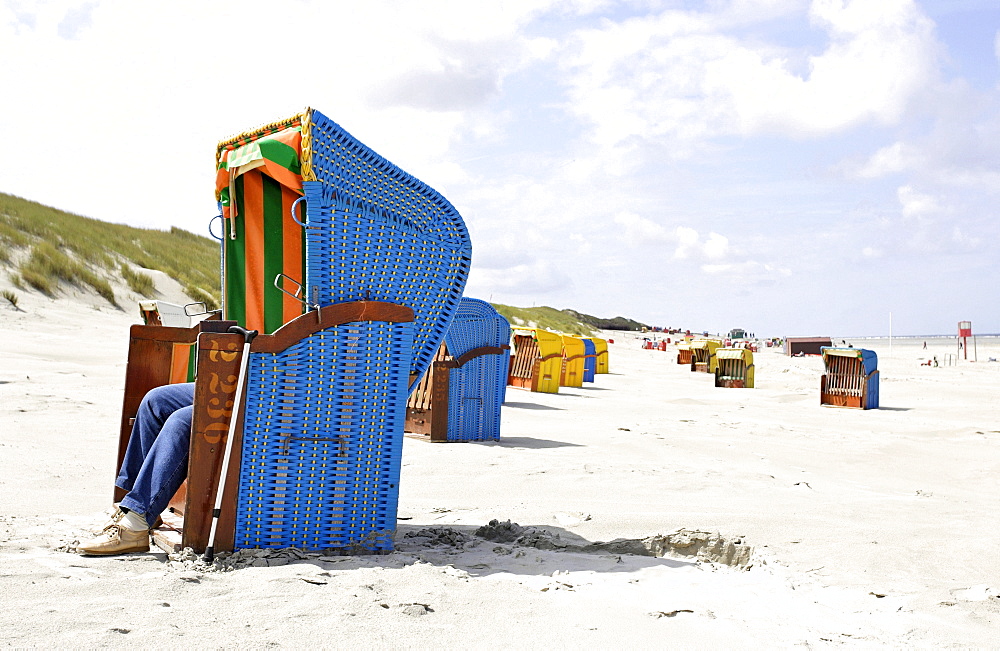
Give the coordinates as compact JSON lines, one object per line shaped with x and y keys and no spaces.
{"x":601,"y":346}
{"x":734,"y":368}
{"x":703,"y":355}
{"x":574,"y":352}
{"x":537,"y":361}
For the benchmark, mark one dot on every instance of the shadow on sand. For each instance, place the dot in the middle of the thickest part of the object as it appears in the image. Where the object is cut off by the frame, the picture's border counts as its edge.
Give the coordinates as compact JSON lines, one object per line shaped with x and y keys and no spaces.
{"x":530,"y":405}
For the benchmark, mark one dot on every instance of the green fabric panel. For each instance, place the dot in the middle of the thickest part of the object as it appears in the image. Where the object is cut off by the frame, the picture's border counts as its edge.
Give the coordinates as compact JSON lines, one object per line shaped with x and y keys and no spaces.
{"x":192,"y":363}
{"x":280,"y":153}
{"x":273,"y":255}
{"x":236,"y":273}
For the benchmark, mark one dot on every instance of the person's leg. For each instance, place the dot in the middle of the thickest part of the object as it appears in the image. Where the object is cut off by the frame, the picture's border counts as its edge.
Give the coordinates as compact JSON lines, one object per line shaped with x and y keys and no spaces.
{"x":164,"y":468}
{"x":155,"y":464}
{"x":156,"y":407}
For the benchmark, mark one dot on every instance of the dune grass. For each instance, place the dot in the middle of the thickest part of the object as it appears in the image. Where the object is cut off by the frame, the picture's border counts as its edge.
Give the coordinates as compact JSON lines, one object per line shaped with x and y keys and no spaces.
{"x":546,"y":318}
{"x":48,"y":266}
{"x":140,"y":283}
{"x":71,"y":248}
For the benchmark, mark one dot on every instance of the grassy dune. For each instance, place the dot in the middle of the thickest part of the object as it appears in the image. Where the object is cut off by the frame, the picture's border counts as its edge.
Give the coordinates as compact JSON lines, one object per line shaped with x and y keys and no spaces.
{"x":46,"y":247}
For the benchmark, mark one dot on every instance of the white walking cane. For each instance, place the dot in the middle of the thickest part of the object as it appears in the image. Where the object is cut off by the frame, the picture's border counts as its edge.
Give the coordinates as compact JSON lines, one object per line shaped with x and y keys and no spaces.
{"x":248,"y":336}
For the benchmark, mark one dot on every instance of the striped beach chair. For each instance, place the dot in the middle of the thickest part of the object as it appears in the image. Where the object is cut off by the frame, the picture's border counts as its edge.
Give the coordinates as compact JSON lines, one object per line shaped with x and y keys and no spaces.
{"x":368,"y":231}
{"x":459,"y":397}
{"x":734,"y":368}
{"x":324,"y":243}
{"x":851,"y":378}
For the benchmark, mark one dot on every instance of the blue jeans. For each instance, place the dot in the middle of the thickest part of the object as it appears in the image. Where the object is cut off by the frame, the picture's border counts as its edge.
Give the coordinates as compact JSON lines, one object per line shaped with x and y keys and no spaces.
{"x":156,"y":459}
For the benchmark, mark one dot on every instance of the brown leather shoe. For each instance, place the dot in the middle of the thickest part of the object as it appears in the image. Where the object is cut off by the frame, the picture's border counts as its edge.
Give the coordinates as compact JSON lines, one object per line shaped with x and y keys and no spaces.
{"x":116,"y":539}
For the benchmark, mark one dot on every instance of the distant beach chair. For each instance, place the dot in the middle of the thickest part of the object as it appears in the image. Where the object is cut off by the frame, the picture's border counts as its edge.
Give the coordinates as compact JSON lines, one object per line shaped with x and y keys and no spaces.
{"x":589,"y":359}
{"x":703,"y":355}
{"x":851,"y":378}
{"x":684,"y":354}
{"x":459,"y":397}
{"x":601,"y":358}
{"x":573,"y":351}
{"x":734,"y":368}
{"x":358,"y":287}
{"x":536,"y":364}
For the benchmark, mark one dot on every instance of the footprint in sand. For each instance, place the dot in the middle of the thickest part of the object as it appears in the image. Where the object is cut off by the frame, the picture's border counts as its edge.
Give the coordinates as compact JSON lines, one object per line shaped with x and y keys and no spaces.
{"x":980,"y":592}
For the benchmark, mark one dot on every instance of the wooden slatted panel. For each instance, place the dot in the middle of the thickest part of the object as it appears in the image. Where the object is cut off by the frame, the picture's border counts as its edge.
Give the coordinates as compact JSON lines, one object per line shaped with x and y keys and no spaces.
{"x":845,"y":376}
{"x":420,"y":398}
{"x":522,"y":364}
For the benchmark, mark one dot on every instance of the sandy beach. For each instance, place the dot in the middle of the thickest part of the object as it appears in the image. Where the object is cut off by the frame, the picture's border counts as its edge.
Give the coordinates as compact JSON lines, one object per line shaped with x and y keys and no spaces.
{"x":743,"y":517}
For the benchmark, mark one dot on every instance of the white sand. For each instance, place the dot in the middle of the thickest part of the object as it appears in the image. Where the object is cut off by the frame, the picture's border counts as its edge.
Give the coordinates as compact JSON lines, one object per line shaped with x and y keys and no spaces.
{"x":868,"y":528}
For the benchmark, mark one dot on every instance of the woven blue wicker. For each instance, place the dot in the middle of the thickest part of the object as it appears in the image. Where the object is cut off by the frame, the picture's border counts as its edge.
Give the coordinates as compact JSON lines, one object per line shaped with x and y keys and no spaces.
{"x":477,"y":388}
{"x":590,"y":361}
{"x":322,"y":440}
{"x":377,"y":233}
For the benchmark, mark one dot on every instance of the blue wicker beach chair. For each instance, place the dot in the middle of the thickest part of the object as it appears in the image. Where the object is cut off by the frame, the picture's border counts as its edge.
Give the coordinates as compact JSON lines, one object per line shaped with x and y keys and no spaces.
{"x":371,"y":232}
{"x":353,"y":293}
{"x":589,"y":360}
{"x":459,"y":398}
{"x":322,"y":433}
{"x":851,"y":378}
{"x":323,"y":423}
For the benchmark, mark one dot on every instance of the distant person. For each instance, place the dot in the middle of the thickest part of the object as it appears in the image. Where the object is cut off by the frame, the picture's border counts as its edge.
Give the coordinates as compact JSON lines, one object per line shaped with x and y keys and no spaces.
{"x":925,"y":345}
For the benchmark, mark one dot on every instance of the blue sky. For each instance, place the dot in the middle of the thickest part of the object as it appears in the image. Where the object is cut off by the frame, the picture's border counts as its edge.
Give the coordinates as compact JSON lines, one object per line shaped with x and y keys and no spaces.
{"x":791,"y":167}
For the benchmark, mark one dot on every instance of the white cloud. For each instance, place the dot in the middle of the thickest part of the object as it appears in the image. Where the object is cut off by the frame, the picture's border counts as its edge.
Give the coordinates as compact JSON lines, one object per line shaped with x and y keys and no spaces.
{"x":914,"y":203}
{"x":687,"y":242}
{"x":892,"y":159}
{"x":676,"y":76}
{"x":963,"y":240}
{"x":716,"y":247}
{"x":746,"y":272}
{"x":540,"y":276}
{"x":639,"y":231}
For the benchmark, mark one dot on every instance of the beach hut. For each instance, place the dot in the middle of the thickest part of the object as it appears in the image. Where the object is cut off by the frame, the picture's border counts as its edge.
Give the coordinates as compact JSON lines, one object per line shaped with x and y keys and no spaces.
{"x":589,"y":359}
{"x":352,"y":269}
{"x":459,"y":397}
{"x":734,"y":368}
{"x":703,"y":355}
{"x":601,"y":359}
{"x":851,"y":378}
{"x":806,"y":345}
{"x":573,"y":351}
{"x":536,"y":364}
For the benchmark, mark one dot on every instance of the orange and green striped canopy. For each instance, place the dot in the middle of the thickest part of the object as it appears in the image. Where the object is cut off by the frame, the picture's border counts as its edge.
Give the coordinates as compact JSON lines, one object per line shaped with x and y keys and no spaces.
{"x":257,"y":183}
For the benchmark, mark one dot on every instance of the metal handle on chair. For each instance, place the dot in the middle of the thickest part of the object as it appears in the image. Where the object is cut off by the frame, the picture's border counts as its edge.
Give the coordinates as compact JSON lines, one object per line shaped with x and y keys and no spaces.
{"x":295,"y":219}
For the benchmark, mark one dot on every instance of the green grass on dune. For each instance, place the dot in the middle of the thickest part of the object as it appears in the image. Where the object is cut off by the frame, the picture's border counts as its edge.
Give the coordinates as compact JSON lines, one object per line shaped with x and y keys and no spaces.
{"x":70,"y":248}
{"x":546,"y":318}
